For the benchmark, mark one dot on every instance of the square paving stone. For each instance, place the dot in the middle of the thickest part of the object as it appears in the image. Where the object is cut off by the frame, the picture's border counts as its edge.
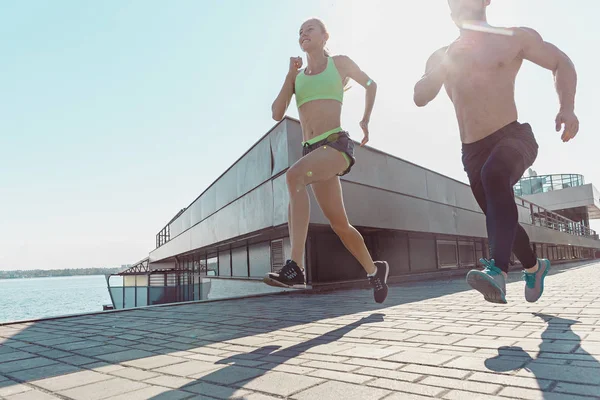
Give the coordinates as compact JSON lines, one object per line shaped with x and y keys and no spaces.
{"x":154,"y":393}
{"x":69,"y":381}
{"x":103,"y":389}
{"x":215,"y":391}
{"x":341,"y":391}
{"x":124,"y":356}
{"x":8,"y":388}
{"x":189,"y":368}
{"x":32,"y":395}
{"x":155,"y":362}
{"x":19,"y":365}
{"x":47,"y":371}
{"x":281,"y":384}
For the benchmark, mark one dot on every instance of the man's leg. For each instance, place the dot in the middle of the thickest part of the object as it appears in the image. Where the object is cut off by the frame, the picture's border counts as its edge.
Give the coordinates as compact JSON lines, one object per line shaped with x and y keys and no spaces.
{"x":491,"y":282}
{"x":497,"y":179}
{"x":521,"y":244}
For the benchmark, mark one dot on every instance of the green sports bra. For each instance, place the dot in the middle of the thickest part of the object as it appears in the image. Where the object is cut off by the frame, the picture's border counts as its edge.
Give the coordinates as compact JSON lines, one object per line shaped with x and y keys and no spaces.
{"x":324,"y":86}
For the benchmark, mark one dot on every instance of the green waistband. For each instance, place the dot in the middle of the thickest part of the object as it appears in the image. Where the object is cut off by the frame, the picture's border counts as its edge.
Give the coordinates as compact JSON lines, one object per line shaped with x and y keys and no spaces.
{"x":322,"y":136}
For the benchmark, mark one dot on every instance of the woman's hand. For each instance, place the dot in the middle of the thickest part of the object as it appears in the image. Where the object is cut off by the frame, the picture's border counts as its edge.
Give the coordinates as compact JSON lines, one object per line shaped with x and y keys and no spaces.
{"x":295,"y":65}
{"x":364,"y":125}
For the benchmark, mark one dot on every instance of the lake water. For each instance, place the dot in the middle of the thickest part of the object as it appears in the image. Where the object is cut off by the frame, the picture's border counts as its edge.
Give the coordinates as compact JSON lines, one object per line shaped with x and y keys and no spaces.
{"x":49,"y":297}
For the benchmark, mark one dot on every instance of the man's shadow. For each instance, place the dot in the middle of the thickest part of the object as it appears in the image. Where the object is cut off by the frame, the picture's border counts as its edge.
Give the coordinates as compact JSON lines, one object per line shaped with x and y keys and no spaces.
{"x":238,"y":370}
{"x":545,"y":369}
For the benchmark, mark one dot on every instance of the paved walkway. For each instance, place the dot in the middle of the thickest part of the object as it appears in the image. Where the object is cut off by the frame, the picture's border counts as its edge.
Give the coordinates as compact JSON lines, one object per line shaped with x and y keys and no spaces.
{"x":433,"y":339}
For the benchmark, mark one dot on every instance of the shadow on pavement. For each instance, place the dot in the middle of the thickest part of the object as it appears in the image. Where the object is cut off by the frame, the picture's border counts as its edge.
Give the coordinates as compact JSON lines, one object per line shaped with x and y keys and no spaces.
{"x":232,"y":374}
{"x":544,"y":366}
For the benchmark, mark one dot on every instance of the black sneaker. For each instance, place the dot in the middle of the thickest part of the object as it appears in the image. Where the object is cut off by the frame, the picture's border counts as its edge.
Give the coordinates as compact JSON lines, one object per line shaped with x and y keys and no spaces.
{"x":379,"y":281}
{"x":288,"y":276}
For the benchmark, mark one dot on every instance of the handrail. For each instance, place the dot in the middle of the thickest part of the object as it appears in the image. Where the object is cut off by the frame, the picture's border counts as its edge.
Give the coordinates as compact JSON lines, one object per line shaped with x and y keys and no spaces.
{"x":164,"y":235}
{"x":545,"y":218}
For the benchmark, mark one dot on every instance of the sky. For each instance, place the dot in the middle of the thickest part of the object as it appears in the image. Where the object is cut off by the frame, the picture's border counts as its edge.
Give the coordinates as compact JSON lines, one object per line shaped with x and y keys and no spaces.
{"x":114,"y":115}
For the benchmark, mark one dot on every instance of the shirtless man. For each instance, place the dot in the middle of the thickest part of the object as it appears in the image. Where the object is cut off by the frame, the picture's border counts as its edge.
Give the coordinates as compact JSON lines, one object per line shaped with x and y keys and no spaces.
{"x":478,"y":71}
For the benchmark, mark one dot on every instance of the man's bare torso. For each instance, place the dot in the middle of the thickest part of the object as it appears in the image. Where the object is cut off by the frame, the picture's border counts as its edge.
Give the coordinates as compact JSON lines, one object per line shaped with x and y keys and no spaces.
{"x":480,"y":81}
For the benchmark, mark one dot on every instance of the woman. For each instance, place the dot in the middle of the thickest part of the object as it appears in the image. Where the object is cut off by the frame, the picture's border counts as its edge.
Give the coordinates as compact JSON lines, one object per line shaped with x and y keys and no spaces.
{"x":328,"y":152}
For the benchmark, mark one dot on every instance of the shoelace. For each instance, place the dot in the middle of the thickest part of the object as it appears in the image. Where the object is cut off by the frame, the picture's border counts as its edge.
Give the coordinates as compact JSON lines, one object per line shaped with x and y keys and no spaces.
{"x":376,"y":282}
{"x":529,"y":279}
{"x":490,"y":267}
{"x":288,"y":272}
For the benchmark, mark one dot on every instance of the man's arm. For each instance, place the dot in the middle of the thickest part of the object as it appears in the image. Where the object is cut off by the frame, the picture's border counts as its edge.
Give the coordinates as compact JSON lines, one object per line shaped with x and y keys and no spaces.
{"x":548,"y":56}
{"x":430,"y":84}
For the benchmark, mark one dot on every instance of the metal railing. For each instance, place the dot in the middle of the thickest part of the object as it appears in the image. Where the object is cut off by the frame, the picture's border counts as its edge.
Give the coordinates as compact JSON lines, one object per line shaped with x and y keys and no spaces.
{"x":164,"y":235}
{"x":547,"y":219}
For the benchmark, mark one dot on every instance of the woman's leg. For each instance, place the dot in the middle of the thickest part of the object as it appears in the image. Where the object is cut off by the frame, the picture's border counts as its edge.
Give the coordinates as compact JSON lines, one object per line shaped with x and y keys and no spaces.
{"x":319,"y":165}
{"x":330,"y":199}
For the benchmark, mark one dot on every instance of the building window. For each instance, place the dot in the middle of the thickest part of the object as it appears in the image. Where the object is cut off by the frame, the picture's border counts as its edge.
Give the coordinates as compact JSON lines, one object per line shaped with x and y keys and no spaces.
{"x":466,"y":254}
{"x":447,"y":254}
{"x":225,"y":262}
{"x":422,"y":254}
{"x":478,"y":251}
{"x":277,"y":255}
{"x":260,"y":259}
{"x":239,"y":262}
{"x":212,"y":265}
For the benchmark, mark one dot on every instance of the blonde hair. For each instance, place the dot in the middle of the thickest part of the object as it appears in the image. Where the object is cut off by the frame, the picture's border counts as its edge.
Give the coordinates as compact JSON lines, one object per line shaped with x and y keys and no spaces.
{"x":326,"y":51}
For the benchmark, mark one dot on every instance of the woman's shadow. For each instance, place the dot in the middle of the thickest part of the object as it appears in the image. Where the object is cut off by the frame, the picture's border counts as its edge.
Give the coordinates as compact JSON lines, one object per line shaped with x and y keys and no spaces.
{"x":545,"y":368}
{"x":238,"y":369}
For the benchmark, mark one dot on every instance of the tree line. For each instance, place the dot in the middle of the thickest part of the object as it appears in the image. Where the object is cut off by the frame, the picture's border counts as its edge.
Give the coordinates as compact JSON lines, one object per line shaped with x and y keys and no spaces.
{"x":44,"y":273}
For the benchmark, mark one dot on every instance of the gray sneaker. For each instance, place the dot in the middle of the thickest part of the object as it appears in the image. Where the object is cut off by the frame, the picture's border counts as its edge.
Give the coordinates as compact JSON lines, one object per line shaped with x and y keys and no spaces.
{"x":490,"y":282}
{"x":534,"y":282}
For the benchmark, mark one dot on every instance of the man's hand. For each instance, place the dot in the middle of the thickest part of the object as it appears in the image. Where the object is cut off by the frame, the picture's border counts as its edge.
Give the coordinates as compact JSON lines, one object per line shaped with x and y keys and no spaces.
{"x":570,"y":122}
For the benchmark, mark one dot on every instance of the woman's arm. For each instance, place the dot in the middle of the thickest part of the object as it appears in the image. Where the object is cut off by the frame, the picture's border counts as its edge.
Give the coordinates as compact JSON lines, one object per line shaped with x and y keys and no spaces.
{"x":282,"y":101}
{"x":351,"y":70}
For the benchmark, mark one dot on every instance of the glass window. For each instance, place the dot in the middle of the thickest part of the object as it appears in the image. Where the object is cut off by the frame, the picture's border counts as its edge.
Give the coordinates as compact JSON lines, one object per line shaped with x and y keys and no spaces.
{"x":260,"y":259}
{"x":393,"y":247}
{"x":157,"y":295}
{"x":212,"y":265}
{"x":141,"y":280}
{"x":447,"y":254}
{"x":422,"y":254}
{"x":117,"y":296}
{"x":142,"y":296}
{"x":225,"y":262}
{"x":129,"y":297}
{"x":466,"y":254}
{"x":239,"y":262}
{"x":478,"y":252}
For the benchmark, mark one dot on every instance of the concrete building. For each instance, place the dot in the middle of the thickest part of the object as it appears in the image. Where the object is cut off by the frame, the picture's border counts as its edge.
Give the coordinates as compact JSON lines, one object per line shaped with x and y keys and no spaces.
{"x":420,"y":221}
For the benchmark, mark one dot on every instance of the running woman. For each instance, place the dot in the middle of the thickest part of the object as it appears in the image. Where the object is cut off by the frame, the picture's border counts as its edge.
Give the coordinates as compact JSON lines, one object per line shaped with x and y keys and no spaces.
{"x":478,"y":71}
{"x":328,"y":152}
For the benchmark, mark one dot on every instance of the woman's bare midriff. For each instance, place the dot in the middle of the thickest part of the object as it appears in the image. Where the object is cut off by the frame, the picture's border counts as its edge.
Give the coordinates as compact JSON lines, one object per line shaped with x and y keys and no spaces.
{"x":318,"y":117}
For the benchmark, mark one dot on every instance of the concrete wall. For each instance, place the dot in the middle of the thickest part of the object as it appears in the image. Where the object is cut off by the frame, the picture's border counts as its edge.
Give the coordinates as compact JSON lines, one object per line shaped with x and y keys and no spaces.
{"x":382,"y":191}
{"x":248,"y":197}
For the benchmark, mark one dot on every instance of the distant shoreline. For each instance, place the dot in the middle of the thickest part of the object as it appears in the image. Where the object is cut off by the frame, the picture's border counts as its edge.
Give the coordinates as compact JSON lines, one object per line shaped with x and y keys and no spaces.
{"x":56,"y":273}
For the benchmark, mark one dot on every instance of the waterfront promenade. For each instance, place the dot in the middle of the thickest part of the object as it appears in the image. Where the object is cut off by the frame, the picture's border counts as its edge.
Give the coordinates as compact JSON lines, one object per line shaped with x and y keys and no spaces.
{"x":434,"y":339}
